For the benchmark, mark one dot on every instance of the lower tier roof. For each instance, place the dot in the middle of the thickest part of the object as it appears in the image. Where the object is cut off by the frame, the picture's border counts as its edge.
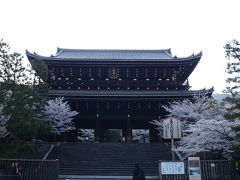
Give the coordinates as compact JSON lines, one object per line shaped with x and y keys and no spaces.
{"x":132,"y":94}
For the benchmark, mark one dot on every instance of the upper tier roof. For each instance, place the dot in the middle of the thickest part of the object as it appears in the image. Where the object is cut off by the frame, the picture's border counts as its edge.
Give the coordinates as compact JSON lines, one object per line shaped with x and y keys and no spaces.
{"x":113,"y":54}
{"x":110,"y":54}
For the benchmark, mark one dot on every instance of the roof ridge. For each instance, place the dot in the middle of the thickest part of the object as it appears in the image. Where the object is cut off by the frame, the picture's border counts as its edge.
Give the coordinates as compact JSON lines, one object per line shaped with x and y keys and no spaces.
{"x":119,"y":50}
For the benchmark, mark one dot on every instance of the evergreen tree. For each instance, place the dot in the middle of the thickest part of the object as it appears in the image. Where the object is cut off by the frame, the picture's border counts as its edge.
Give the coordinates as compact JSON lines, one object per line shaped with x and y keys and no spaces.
{"x":20,"y":95}
{"x":232,"y":50}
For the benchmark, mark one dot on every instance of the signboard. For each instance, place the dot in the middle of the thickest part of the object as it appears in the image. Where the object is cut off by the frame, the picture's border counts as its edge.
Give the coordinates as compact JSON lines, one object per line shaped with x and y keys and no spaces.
{"x":171,"y":168}
{"x":171,"y":127}
{"x":194,"y":168}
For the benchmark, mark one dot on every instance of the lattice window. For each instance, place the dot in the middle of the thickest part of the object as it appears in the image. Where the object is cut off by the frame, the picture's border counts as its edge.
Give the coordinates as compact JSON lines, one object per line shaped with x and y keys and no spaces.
{"x":113,"y":73}
{"x":174,"y":74}
{"x":80,"y":72}
{"x":164,"y":73}
{"x":99,"y":72}
{"x":155,"y":72}
{"x":137,"y":73}
{"x":149,"y":105}
{"x":71,"y":72}
{"x":139,"y":105}
{"x":52,"y":74}
{"x":146,"y":72}
{"x":62,"y":72}
{"x":90,"y":72}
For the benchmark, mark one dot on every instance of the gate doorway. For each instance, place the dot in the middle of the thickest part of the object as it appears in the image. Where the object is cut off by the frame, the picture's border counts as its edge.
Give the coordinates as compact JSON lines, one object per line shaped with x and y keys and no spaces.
{"x":85,"y":135}
{"x":113,"y":135}
{"x":140,"y":136}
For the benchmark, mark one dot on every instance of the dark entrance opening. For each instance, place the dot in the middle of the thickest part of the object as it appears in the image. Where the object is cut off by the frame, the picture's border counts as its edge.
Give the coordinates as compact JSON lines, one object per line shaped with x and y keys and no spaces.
{"x":113,"y":135}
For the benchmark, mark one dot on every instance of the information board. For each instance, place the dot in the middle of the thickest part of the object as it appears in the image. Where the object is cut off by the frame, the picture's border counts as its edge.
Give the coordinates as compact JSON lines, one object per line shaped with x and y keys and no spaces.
{"x":171,"y":168}
{"x":194,"y":168}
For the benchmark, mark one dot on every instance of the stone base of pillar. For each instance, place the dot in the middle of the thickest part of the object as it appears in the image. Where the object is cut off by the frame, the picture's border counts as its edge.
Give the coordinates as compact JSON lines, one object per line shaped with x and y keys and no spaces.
{"x":96,"y":139}
{"x":129,"y":139}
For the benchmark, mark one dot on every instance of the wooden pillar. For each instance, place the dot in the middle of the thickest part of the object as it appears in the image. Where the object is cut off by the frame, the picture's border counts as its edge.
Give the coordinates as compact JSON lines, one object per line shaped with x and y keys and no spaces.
{"x":102,"y":134}
{"x":97,"y":131}
{"x":124,"y":135}
{"x":153,"y":136}
{"x":70,"y":136}
{"x":129,"y":130}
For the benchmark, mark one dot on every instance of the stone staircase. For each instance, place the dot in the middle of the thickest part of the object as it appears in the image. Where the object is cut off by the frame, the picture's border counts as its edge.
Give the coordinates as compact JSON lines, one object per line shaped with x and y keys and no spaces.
{"x":109,"y":159}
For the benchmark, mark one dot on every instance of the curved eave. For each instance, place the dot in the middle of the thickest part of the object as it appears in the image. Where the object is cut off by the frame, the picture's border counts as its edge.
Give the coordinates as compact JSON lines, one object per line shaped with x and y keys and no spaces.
{"x":51,"y":59}
{"x":131,"y":94}
{"x":36,"y":56}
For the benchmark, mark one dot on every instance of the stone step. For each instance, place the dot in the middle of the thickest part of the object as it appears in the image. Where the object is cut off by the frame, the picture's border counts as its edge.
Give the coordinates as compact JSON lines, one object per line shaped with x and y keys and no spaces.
{"x":77,"y":177}
{"x":111,"y":159}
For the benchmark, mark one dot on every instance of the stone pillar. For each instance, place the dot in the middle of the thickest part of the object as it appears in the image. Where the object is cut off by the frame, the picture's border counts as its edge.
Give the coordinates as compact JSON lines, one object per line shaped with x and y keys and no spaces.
{"x":129,"y":130}
{"x":97,"y":131}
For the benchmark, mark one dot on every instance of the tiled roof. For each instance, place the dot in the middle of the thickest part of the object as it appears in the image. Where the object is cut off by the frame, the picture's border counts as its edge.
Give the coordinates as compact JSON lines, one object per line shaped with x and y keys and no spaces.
{"x":102,"y":93}
{"x":90,"y":55}
{"x":113,"y":54}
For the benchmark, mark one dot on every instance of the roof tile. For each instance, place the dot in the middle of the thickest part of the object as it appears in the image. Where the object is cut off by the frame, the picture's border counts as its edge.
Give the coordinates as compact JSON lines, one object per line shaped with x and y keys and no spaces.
{"x":113,"y":54}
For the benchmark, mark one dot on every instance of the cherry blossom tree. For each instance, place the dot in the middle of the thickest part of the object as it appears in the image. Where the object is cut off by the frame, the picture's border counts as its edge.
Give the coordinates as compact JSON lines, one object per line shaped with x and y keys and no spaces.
{"x":158,"y":126}
{"x":86,"y":135}
{"x":59,"y":115}
{"x":140,"y":135}
{"x":190,"y":111}
{"x":215,"y":134}
{"x":3,"y":123}
{"x":204,"y":126}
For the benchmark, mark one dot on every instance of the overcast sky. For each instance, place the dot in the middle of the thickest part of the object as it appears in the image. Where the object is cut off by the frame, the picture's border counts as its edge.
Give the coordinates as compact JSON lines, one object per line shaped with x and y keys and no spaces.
{"x":185,"y":26}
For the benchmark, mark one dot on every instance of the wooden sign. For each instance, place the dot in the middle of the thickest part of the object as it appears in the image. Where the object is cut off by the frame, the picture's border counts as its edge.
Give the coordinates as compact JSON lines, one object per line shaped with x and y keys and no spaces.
{"x":171,"y":128}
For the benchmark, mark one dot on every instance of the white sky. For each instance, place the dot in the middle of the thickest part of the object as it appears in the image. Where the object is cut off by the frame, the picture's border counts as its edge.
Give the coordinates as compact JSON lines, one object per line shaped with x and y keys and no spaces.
{"x":185,"y":26}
